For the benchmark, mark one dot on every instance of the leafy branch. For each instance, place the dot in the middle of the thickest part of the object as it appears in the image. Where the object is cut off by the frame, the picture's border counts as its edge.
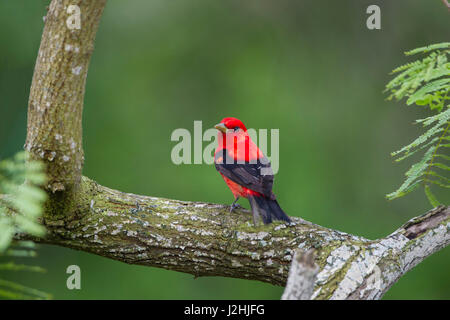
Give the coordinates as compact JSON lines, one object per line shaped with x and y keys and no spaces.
{"x":21,"y":204}
{"x":426,"y":82}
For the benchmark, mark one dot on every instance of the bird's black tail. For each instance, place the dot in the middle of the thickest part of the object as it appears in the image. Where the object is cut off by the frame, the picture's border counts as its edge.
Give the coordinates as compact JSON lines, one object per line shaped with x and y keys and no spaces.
{"x":267,"y":209}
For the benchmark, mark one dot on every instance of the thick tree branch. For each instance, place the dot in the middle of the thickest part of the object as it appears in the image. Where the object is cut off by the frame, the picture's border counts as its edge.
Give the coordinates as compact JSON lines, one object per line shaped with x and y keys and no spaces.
{"x":57,"y":91}
{"x":205,"y":240}
{"x":372,"y":269}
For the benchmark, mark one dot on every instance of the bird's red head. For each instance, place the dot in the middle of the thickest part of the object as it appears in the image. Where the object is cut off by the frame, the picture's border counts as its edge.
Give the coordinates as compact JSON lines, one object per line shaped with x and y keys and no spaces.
{"x":230,"y":123}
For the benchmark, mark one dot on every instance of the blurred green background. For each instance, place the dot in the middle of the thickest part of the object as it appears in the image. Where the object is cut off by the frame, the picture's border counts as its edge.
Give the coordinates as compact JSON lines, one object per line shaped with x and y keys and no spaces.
{"x":311,"y":69}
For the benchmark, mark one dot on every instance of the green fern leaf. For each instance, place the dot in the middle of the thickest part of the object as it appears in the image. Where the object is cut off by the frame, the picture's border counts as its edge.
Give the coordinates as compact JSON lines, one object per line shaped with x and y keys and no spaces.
{"x":443,"y":45}
{"x":431,"y":198}
{"x":430,"y":87}
{"x":426,"y":82}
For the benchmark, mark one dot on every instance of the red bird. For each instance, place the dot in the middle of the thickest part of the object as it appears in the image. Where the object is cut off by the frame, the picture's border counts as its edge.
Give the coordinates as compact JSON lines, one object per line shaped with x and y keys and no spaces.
{"x":246,"y":171}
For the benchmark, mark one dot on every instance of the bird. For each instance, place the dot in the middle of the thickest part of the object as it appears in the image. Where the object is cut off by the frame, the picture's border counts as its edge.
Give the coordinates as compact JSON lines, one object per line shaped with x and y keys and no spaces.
{"x":246,"y":171}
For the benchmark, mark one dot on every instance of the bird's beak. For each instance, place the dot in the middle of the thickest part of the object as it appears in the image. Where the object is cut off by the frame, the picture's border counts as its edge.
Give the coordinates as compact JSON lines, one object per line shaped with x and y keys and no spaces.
{"x":221,"y":127}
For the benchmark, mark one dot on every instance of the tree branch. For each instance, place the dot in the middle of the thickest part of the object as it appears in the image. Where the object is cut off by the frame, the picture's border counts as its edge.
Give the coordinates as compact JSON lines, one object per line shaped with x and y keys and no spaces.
{"x":55,"y":104}
{"x":446,"y":3}
{"x":203,"y":239}
{"x":302,"y":276}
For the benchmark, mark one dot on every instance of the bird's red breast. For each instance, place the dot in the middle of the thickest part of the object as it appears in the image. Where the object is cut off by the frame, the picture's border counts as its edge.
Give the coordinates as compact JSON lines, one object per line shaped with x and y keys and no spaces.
{"x":238,"y":190}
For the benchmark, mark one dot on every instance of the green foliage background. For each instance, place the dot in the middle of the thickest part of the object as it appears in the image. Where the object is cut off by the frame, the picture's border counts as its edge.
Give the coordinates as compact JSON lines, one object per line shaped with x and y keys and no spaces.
{"x":312,"y":70}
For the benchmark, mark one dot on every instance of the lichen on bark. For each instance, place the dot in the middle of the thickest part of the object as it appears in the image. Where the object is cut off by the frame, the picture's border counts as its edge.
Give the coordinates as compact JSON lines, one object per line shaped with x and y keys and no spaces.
{"x":57,"y":91}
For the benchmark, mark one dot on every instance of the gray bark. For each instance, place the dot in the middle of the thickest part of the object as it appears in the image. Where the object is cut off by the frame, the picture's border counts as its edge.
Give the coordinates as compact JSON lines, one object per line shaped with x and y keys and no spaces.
{"x":367,"y":271}
{"x":302,"y":276}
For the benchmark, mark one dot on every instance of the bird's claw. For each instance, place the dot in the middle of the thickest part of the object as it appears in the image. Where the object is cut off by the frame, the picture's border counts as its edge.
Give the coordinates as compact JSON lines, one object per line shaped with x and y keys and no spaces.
{"x":235,"y":206}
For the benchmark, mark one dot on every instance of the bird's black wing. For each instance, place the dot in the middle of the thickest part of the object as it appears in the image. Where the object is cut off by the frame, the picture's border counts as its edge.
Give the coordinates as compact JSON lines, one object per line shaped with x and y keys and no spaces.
{"x":256,"y":176}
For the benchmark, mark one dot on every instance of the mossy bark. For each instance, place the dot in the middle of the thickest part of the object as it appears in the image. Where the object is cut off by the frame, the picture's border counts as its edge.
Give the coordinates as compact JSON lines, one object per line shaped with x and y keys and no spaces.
{"x":55,"y":104}
{"x":204,"y":239}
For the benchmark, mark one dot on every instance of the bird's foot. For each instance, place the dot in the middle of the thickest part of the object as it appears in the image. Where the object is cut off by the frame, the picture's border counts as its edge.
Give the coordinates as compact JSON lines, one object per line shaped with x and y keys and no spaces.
{"x":235,"y":205}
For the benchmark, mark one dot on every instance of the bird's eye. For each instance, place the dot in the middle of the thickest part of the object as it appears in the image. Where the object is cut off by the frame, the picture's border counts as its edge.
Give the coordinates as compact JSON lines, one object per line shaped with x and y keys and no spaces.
{"x":236,"y":128}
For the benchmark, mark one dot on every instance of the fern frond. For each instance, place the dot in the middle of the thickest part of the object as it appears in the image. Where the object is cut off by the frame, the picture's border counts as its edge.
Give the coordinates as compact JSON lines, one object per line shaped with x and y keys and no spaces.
{"x":11,"y":266}
{"x":20,"y":180}
{"x":410,"y":66}
{"x":438,"y":183}
{"x":426,"y":82}
{"x":443,"y":156}
{"x":17,"y":291}
{"x":21,"y":203}
{"x":437,"y":85}
{"x":441,"y":120}
{"x":411,"y":151}
{"x":413,"y":175}
{"x":431,"y":197}
{"x":443,"y":45}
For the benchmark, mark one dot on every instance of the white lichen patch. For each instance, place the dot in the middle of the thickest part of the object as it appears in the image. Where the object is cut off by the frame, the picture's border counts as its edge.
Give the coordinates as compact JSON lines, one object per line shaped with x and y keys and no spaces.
{"x":356,"y":274}
{"x":251,"y":236}
{"x":65,"y":158}
{"x":269,"y":253}
{"x":77,"y":70}
{"x":73,"y":145}
{"x":201,"y":245}
{"x":287,"y":258}
{"x":238,"y":253}
{"x":142,"y":256}
{"x":397,"y":242}
{"x":96,"y":239}
{"x":194,"y":217}
{"x":164,"y":216}
{"x":316,"y":293}
{"x":255,"y":256}
{"x":180,"y":228}
{"x":118,"y":228}
{"x":204,"y":232}
{"x":301,"y":245}
{"x":131,"y":233}
{"x":103,"y":228}
{"x":52,"y":156}
{"x":335,"y":261}
{"x":278,"y":239}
